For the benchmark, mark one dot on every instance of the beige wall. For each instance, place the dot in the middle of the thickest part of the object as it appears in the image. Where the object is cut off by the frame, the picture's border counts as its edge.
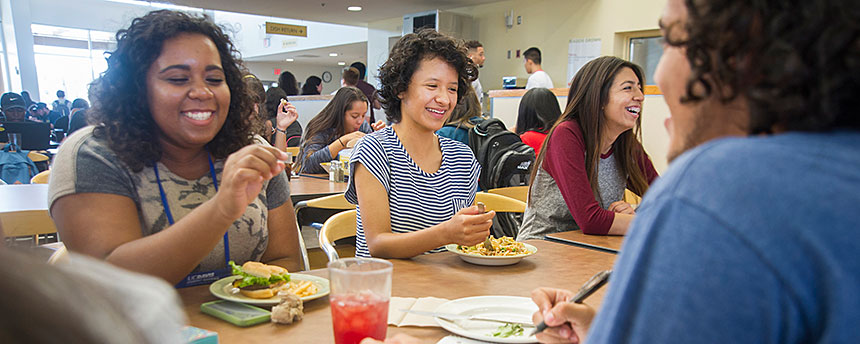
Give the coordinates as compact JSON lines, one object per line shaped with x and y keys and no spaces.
{"x":549,"y":25}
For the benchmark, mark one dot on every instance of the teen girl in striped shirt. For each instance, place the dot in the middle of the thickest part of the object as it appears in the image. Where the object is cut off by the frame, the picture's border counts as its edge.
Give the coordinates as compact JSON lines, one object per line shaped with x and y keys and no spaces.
{"x":414,"y":189}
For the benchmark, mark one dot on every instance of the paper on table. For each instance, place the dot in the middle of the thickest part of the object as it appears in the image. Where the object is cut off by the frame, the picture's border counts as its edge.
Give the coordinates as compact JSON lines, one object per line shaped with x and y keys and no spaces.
{"x":427,"y":304}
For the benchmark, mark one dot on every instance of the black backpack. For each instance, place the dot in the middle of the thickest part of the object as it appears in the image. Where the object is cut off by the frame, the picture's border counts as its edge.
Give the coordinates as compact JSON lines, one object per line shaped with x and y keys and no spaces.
{"x":505,"y":160}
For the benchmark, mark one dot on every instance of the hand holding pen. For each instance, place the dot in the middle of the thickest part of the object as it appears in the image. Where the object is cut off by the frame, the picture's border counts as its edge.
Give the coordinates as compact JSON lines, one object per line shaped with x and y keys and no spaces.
{"x":562,"y":314}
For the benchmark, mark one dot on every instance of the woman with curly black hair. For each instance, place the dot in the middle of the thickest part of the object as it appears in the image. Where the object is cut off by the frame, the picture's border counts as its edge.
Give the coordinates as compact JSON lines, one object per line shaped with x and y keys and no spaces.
{"x":413,"y":188}
{"x":169,"y":182}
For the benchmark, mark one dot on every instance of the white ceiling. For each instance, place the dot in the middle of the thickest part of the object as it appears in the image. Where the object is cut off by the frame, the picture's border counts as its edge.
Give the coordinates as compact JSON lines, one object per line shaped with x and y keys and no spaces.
{"x":329,"y":11}
{"x":348,"y":53}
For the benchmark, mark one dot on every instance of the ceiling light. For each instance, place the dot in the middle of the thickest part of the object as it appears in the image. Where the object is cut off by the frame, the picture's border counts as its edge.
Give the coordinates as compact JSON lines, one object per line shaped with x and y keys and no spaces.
{"x":290,"y":60}
{"x":341,"y":63}
{"x":353,"y":8}
{"x":332,"y":54}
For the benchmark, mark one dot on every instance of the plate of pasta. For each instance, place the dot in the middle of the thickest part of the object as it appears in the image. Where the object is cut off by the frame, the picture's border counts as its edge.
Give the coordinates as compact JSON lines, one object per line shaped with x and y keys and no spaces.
{"x":506,"y":251}
{"x":306,"y":287}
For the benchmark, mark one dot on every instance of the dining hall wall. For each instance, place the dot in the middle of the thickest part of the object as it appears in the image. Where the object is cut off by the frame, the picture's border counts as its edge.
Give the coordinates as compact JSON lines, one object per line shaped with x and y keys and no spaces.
{"x":266,"y":71}
{"x":550,"y":25}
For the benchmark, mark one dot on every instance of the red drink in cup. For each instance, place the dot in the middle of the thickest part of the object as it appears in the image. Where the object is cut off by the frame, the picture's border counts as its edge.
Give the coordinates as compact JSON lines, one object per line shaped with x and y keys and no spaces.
{"x":360,"y":289}
{"x":358,"y":316}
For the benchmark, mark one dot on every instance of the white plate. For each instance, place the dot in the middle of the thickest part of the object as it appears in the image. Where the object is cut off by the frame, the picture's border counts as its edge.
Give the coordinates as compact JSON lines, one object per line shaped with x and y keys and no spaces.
{"x":498,"y":307}
{"x":222,"y":290}
{"x":491,"y":260}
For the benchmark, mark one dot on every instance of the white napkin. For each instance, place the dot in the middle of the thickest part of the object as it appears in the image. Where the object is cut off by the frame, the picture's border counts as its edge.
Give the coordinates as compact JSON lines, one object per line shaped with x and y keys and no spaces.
{"x":427,"y":304}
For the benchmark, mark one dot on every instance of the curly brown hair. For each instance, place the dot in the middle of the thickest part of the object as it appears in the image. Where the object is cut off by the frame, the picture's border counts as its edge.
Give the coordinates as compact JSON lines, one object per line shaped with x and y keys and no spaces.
{"x":120,"y":107}
{"x":396,"y":73}
{"x":797,"y":63}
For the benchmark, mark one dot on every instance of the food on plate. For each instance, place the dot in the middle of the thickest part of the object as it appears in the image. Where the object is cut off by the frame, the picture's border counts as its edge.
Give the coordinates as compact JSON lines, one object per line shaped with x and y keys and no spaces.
{"x":300,"y":288}
{"x":504,"y":246}
{"x":507,"y":330}
{"x":289,"y":310}
{"x":259,"y":281}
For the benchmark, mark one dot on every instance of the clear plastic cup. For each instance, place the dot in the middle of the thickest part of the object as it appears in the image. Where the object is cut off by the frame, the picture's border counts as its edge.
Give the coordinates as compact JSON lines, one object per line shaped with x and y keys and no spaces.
{"x":360,"y":290}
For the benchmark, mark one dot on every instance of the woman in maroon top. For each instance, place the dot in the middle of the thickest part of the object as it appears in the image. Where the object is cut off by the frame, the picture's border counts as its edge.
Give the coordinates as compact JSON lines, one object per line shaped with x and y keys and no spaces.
{"x":537,"y":113}
{"x":591,"y":155}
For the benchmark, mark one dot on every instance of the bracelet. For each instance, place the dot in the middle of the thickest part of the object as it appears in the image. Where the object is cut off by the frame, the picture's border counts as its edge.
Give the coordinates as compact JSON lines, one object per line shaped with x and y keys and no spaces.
{"x":275,"y":129}
{"x":341,"y":142}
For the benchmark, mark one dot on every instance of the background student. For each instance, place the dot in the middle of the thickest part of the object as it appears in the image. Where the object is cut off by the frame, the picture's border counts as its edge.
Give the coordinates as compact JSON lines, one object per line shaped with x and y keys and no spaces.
{"x":537,"y":113}
{"x":591,"y":155}
{"x":537,"y":77}
{"x":338,"y":123}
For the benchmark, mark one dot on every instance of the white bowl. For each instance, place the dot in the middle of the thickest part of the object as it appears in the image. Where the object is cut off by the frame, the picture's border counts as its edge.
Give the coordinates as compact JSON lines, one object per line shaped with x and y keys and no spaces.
{"x":491,"y":260}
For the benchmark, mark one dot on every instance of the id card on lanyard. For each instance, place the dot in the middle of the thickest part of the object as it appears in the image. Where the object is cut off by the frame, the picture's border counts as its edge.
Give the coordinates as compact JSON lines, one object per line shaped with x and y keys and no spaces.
{"x":206,"y":277}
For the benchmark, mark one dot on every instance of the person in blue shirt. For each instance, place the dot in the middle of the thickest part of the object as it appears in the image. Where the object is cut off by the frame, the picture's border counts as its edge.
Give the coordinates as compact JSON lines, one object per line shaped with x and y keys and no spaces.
{"x":743,"y":239}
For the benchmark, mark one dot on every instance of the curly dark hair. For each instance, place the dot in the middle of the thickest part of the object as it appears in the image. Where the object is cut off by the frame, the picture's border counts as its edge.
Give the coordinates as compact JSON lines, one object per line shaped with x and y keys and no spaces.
{"x":120,"y":103}
{"x":396,"y":73}
{"x":797,"y":62}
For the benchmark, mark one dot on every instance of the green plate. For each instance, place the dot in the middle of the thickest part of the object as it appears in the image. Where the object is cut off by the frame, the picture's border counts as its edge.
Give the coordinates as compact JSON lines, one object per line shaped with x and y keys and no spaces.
{"x":222,"y":289}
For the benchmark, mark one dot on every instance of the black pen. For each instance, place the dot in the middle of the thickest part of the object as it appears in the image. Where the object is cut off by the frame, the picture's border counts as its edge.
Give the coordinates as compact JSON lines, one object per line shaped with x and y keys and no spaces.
{"x":593,"y":284}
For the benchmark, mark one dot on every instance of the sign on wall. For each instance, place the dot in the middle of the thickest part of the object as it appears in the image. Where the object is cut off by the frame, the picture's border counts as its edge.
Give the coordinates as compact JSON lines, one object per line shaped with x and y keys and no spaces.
{"x":579,"y":52}
{"x":286,"y":29}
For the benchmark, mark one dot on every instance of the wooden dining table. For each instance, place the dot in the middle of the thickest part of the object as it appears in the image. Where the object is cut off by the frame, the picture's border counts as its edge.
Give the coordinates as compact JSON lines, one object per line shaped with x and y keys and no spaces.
{"x":606,"y":243}
{"x":305,"y":187}
{"x":442,"y":275}
{"x":24,"y":210}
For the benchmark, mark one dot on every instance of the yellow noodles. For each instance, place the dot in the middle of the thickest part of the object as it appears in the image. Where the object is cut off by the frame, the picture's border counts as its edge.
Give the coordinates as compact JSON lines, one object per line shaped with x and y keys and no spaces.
{"x":504,"y":246}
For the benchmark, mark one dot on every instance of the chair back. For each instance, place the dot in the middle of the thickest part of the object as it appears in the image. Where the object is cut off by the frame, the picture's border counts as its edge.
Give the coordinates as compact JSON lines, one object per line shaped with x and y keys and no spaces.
{"x":37,"y":157}
{"x":334,"y":202}
{"x":60,"y":256}
{"x":339,"y":226}
{"x":631,"y":197}
{"x":516,"y":192}
{"x":499,"y":203}
{"x":41,"y":178}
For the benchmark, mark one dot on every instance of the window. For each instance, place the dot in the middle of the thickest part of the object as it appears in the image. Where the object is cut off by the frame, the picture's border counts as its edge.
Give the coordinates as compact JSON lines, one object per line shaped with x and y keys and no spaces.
{"x":69,"y":59}
{"x":646,"y":52}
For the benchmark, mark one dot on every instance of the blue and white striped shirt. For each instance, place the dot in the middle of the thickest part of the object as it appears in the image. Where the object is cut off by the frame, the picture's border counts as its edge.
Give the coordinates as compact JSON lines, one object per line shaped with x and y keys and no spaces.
{"x":416,"y":199}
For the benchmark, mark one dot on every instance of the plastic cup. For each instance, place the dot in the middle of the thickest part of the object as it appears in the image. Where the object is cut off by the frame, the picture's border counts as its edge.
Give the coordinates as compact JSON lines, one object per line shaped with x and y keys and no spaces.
{"x":360,"y":290}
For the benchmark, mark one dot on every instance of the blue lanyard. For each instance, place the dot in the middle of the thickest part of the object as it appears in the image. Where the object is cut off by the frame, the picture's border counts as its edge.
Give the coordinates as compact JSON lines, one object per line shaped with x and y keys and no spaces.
{"x":205,"y":277}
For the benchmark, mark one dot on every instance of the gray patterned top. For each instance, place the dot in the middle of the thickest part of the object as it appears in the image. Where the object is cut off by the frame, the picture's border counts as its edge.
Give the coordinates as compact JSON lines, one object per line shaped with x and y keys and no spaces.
{"x":85,"y":164}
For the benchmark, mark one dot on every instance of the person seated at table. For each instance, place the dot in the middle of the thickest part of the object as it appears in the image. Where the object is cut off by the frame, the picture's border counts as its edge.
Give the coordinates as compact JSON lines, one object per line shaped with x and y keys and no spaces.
{"x":413,"y":189}
{"x":591,"y":155}
{"x":464,"y":117}
{"x":293,"y":131}
{"x":340,"y":122}
{"x":537,"y":113}
{"x":83,"y":300}
{"x":170,"y":182}
{"x":742,"y":239}
{"x":287,"y":113}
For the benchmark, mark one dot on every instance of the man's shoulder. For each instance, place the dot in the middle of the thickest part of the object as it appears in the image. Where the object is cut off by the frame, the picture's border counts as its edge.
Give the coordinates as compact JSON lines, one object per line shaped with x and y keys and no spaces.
{"x":764,"y":180}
